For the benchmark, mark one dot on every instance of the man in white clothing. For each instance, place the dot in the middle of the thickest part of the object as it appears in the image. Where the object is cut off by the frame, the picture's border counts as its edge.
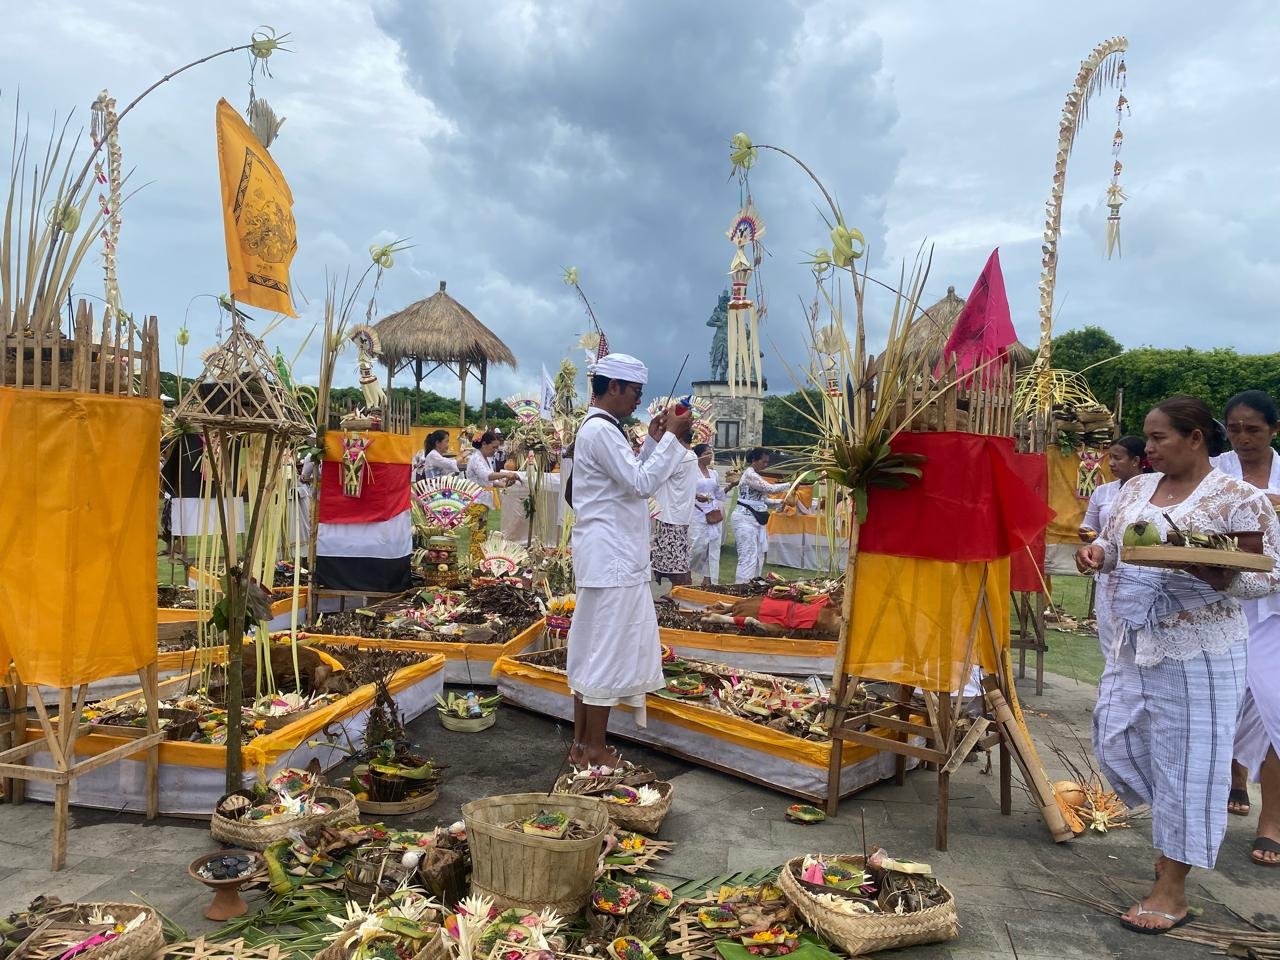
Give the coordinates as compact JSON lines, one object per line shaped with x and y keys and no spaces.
{"x":614,"y":655}
{"x":669,"y":551}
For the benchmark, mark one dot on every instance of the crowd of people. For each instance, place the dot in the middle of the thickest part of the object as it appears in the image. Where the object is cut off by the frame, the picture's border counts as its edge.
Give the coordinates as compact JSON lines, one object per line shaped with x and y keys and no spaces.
{"x":1189,"y":704}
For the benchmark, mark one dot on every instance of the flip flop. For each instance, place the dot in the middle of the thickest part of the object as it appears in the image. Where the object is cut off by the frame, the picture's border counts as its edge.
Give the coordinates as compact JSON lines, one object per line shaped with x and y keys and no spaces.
{"x":1264,"y":845}
{"x":1174,"y":922}
{"x":1240,"y":797}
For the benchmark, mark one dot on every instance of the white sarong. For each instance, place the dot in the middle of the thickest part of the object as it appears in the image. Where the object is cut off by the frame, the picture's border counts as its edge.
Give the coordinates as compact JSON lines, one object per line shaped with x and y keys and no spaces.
{"x":1259,"y":727}
{"x":704,"y":548}
{"x":1162,"y":735}
{"x":614,"y":653}
{"x":752,"y":541}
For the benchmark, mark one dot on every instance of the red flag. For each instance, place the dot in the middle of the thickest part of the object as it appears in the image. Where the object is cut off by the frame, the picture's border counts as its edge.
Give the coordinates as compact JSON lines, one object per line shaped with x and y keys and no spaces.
{"x":983,"y":331}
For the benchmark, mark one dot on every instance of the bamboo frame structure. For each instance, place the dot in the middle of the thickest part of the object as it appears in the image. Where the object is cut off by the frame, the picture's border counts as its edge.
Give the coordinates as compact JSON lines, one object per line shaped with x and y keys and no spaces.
{"x":239,"y":394}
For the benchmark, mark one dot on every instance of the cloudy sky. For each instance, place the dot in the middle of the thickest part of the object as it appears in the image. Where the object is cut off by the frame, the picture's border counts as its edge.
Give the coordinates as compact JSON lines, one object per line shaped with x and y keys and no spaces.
{"x":512,"y":138}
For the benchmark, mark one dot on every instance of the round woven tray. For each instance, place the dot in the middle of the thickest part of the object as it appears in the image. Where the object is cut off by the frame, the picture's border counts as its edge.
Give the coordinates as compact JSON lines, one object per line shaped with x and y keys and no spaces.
{"x":434,"y":950}
{"x":531,"y":872}
{"x":646,"y":819}
{"x":412,"y":805}
{"x":867,"y":933}
{"x":468,"y":724}
{"x":256,"y":835}
{"x":138,"y":944}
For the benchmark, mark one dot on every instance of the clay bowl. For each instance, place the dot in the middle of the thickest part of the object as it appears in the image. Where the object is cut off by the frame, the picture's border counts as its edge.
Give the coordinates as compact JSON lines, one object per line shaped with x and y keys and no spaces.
{"x":227,"y":903}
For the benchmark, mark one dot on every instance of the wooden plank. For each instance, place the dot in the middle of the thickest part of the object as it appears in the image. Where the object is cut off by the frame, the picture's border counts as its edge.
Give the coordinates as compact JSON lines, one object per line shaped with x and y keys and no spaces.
{"x":966,"y":745}
{"x":55,"y":358}
{"x":50,"y":734}
{"x":927,"y":754}
{"x":128,"y":360}
{"x":900,"y":726}
{"x":102,"y":354}
{"x":24,"y":771}
{"x":118,"y":753}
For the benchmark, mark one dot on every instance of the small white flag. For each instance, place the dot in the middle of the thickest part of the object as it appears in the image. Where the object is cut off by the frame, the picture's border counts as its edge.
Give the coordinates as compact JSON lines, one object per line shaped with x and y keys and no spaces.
{"x":548,"y":403}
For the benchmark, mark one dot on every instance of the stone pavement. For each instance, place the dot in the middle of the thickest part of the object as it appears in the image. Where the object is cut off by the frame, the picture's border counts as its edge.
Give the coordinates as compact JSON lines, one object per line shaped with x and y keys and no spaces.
{"x":723,"y":825}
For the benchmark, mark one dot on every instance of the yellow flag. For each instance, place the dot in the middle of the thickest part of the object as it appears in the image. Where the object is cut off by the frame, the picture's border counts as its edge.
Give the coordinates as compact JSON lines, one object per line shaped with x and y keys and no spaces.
{"x":257,"y":212}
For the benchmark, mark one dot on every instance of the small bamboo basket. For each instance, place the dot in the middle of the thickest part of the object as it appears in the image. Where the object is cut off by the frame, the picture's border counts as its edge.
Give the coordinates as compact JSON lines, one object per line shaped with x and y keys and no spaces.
{"x":413,"y":804}
{"x":138,"y":944}
{"x":868,"y":933}
{"x":520,"y":870}
{"x":647,"y":819}
{"x":256,"y":835}
{"x":434,"y":950}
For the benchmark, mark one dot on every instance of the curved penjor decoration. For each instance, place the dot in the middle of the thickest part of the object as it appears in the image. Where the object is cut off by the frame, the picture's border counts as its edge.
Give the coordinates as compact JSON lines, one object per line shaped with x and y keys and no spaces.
{"x":1104,"y":67}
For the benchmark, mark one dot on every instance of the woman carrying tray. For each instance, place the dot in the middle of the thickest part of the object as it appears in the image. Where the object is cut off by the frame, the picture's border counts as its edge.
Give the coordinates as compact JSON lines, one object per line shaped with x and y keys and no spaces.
{"x":1165,"y":720}
{"x":1252,"y":419}
{"x":1126,"y":459}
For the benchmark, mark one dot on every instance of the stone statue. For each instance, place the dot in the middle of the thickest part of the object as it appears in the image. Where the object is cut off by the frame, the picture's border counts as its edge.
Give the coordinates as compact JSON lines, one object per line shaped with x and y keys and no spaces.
{"x":720,"y":342}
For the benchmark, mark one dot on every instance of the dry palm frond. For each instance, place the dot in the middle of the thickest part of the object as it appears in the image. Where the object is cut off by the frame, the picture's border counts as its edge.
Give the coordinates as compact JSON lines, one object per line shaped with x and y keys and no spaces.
{"x":264,"y":122}
{"x":1044,"y":389}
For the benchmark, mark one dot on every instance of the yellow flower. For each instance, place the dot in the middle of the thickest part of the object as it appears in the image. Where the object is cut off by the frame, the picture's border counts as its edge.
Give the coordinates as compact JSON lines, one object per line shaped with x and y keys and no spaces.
{"x":842,"y":240}
{"x":571,"y":276}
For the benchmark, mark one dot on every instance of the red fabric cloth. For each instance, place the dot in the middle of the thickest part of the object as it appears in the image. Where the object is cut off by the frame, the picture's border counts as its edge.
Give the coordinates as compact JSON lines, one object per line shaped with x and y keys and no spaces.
{"x":790,"y":613}
{"x":971,"y":504}
{"x":1026,"y":566}
{"x":385,"y":494}
{"x":984,"y":329}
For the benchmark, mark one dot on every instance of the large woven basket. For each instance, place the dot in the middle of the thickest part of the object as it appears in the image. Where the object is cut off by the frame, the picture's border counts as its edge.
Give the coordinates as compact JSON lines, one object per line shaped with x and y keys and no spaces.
{"x":646,"y":819}
{"x":434,"y":950}
{"x":871,"y":932}
{"x":519,"y":870}
{"x":138,"y":944}
{"x":256,"y":835}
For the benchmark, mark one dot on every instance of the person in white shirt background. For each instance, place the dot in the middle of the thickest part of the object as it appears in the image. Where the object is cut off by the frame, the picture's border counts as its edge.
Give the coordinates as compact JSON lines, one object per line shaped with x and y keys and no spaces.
{"x":1127,"y":459}
{"x":752,"y":514}
{"x":1252,"y":423}
{"x":434,"y":460}
{"x":614,"y":655}
{"x":480,"y":470}
{"x":706,"y":528}
{"x":670,"y":547}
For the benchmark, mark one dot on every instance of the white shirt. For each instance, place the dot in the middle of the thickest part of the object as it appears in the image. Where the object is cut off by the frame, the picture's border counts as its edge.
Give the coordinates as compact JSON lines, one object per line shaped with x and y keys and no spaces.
{"x":675,"y":497}
{"x":479,"y":470}
{"x":753,"y":490}
{"x":611,"y":490}
{"x":1099,"y":511}
{"x":711,"y":488}
{"x":1263,"y":608}
{"x":433,"y":464}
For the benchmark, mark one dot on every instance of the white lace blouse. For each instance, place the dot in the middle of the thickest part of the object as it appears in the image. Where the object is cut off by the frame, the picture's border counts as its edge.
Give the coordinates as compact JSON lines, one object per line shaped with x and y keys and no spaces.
{"x":1220,"y":504}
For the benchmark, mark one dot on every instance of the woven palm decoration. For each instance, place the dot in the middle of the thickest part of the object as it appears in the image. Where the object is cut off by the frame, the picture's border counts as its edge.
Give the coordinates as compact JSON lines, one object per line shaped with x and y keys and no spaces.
{"x":445,"y":499}
{"x":499,"y":557}
{"x":524,"y":406}
{"x":240,"y":390}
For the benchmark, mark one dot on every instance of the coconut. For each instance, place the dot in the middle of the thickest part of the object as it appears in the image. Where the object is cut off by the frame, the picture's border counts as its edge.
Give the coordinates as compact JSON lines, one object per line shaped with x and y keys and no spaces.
{"x":1072,"y":793}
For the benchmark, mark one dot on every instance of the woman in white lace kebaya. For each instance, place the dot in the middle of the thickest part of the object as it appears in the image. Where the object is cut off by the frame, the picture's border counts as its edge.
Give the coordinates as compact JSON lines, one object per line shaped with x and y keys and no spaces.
{"x":1166,"y":714}
{"x":1252,"y":423}
{"x":752,"y":514}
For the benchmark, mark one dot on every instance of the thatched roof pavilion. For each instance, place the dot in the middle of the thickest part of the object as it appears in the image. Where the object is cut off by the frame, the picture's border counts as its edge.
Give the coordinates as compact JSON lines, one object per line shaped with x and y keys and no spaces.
{"x":933,"y":326}
{"x":440,"y":332}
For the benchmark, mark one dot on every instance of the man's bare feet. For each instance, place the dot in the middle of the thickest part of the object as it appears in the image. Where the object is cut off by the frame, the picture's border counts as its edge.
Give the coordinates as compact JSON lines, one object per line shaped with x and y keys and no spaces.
{"x":578,"y":755}
{"x":602,"y":756}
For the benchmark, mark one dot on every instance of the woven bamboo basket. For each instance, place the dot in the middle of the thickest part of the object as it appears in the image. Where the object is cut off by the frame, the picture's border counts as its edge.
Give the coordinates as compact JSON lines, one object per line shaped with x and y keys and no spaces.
{"x":413,"y":805}
{"x":256,"y":835}
{"x":467,"y":724}
{"x":646,"y":819}
{"x":519,"y":870}
{"x":138,"y":944}
{"x":868,"y":933}
{"x":434,"y":950}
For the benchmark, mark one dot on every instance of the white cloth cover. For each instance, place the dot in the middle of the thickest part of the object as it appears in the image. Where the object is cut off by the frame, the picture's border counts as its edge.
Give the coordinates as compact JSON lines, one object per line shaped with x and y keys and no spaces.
{"x":752,"y":541}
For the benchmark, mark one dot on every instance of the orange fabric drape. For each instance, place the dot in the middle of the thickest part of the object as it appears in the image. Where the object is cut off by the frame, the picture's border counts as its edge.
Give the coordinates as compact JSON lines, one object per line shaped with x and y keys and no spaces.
{"x":911,"y":620}
{"x":79,"y":484}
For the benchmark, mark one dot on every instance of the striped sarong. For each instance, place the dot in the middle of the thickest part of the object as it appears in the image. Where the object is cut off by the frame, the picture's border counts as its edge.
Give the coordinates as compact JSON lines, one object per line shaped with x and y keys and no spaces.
{"x":1163,"y":736}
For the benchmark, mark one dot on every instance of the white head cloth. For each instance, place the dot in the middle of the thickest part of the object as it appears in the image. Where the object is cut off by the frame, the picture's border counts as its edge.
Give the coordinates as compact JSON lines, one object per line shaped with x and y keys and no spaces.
{"x":620,"y":366}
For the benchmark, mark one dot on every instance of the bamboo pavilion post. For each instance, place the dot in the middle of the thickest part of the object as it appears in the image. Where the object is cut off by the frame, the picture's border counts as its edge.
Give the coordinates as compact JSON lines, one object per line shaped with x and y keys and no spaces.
{"x":484,"y":394}
{"x":462,"y":402}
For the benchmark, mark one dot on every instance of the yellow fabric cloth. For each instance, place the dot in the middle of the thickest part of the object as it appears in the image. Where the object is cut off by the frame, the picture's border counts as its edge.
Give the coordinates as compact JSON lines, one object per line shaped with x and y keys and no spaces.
{"x":79,"y":483}
{"x":257,"y":216}
{"x":261,"y":752}
{"x":1064,"y":478}
{"x":382,"y":448}
{"x":911,"y":620}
